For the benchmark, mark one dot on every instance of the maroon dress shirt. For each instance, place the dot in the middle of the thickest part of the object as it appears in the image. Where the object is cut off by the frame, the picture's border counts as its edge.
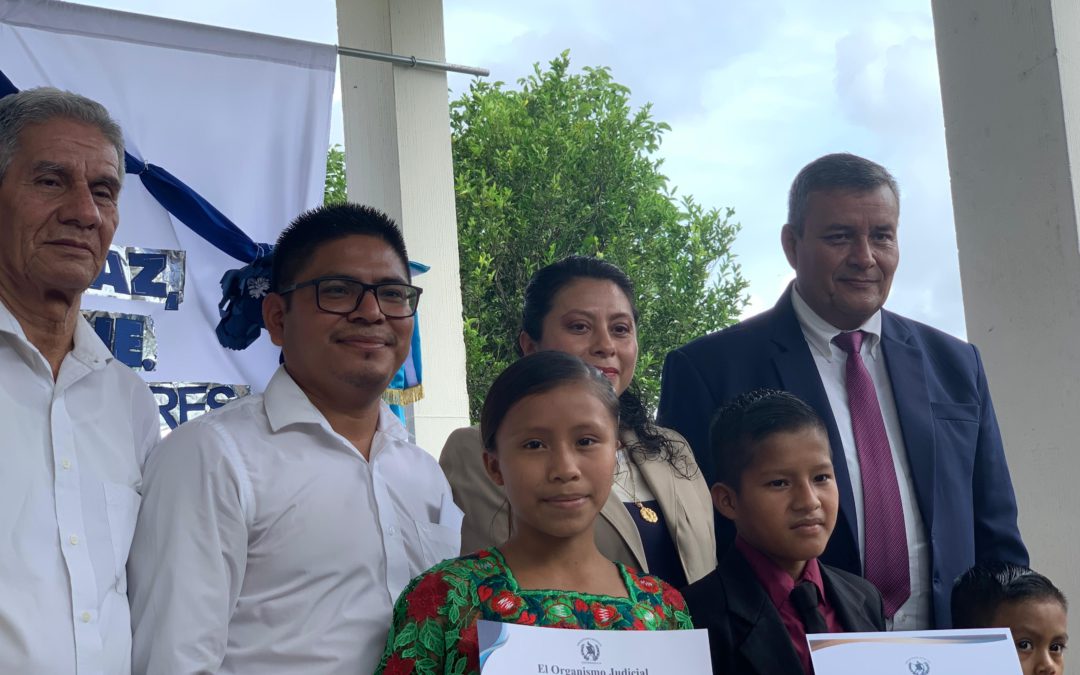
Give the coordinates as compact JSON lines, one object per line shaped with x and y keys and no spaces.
{"x":778,"y":585}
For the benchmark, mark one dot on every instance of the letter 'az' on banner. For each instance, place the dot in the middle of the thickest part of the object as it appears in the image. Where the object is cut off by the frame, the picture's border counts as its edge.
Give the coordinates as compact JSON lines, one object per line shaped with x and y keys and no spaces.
{"x":153,"y":275}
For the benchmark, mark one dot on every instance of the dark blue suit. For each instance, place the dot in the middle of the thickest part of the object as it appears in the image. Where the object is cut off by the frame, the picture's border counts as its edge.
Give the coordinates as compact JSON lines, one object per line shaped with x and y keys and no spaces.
{"x":962,"y":483}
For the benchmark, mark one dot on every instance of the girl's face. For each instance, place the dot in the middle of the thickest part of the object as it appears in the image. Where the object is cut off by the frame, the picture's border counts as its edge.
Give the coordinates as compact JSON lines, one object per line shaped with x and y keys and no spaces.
{"x":555,"y":458}
{"x":1040,"y":632}
{"x":593,"y":320}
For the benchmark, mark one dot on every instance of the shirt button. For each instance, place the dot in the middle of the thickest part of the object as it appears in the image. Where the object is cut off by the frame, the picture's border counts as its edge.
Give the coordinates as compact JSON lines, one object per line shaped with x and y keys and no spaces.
{"x":66,"y":464}
{"x":74,"y":540}
{"x":390,"y":530}
{"x":85,"y":616}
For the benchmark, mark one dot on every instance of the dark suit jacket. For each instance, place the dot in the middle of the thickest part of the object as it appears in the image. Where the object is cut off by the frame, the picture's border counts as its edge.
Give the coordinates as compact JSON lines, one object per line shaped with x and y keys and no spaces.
{"x":746,"y":634}
{"x":962,"y":483}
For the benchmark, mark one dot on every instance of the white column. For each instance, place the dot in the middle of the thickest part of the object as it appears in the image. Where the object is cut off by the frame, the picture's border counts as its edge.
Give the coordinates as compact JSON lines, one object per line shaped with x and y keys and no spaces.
{"x":1010,"y":83}
{"x":398,"y":159}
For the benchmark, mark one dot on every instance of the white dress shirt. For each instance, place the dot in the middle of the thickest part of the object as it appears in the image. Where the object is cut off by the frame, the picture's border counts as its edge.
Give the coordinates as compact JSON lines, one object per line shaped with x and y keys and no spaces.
{"x":916,"y":613}
{"x":71,"y":456}
{"x":268,"y":544}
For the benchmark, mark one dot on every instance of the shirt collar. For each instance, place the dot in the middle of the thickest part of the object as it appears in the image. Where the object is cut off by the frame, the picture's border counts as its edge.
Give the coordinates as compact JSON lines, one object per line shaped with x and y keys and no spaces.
{"x":777,"y":583}
{"x":286,"y":403}
{"x":88,"y":348}
{"x":819,"y":333}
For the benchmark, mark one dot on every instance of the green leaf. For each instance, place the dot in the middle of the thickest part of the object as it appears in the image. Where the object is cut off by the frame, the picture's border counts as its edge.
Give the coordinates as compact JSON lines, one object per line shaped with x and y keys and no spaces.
{"x":405,"y":636}
{"x":431,"y":636}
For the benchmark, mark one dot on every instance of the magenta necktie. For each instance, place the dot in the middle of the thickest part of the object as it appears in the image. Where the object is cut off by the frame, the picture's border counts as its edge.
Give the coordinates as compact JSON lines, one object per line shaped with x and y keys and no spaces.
{"x":886,"y":554}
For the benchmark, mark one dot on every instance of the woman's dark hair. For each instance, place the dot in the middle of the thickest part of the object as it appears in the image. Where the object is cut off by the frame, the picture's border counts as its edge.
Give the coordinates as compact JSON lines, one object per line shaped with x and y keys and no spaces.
{"x":540,"y":294}
{"x":979,"y":592}
{"x":536,"y":374}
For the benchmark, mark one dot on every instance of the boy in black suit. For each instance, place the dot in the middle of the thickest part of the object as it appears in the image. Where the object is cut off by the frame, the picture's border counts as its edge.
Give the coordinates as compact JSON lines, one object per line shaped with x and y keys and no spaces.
{"x":769,"y":590}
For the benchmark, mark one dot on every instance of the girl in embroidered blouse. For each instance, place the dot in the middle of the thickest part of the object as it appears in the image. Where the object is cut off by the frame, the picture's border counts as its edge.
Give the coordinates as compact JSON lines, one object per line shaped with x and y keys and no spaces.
{"x":550,"y":431}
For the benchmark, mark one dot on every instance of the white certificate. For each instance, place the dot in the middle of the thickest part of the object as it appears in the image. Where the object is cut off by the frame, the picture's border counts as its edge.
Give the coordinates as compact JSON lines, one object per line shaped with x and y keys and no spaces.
{"x":513,"y":649}
{"x":986,"y":651}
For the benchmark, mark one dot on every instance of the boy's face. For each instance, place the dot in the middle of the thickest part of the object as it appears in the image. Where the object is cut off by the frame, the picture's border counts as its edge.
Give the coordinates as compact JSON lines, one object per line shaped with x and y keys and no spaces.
{"x":786,"y":503}
{"x":1040,"y":633}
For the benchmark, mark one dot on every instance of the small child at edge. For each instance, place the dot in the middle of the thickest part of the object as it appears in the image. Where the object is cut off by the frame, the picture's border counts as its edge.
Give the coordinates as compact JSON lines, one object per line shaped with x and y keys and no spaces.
{"x":1003,"y":595}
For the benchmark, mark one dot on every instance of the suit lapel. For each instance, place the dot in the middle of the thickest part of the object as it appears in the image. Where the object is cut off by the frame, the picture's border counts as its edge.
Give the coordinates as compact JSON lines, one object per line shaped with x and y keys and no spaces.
{"x":759,"y":633}
{"x":907,"y":372}
{"x":848,"y":603}
{"x":799,"y":375}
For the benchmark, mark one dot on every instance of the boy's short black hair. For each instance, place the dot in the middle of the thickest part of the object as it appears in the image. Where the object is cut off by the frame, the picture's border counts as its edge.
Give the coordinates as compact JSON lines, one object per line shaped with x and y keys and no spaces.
{"x":738,"y":427}
{"x":318,"y":226}
{"x":979,"y":592}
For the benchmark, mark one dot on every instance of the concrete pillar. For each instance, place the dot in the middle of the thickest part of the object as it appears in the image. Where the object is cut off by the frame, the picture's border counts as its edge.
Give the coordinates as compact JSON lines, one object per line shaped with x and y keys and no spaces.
{"x":398,"y":159}
{"x":1010,"y":85}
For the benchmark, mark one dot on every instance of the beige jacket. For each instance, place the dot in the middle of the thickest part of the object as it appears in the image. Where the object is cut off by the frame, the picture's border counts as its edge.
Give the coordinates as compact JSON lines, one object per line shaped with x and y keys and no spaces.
{"x":685,"y":503}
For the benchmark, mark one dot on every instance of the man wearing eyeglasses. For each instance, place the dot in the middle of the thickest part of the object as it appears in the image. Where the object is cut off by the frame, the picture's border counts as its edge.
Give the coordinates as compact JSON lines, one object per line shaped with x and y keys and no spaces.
{"x":277,"y":532}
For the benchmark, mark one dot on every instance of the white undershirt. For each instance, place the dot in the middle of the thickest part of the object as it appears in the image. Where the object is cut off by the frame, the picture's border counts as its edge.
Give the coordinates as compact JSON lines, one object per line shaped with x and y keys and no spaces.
{"x":916,"y":613}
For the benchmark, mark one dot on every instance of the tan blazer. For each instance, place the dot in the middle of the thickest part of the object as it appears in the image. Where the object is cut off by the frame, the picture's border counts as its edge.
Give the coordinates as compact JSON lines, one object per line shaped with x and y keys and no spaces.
{"x":685,"y":503}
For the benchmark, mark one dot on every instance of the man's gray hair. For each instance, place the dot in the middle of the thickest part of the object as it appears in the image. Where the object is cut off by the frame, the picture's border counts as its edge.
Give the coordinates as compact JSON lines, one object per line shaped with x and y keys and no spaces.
{"x":840,"y":171}
{"x":36,"y":106}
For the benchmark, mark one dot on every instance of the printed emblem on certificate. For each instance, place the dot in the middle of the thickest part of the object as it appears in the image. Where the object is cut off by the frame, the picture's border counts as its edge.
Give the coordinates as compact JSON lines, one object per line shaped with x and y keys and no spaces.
{"x":513,"y":649}
{"x":987,"y":651}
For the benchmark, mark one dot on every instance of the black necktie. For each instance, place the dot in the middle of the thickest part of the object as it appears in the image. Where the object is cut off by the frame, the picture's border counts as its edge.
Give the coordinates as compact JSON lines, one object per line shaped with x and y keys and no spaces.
{"x":805,"y":598}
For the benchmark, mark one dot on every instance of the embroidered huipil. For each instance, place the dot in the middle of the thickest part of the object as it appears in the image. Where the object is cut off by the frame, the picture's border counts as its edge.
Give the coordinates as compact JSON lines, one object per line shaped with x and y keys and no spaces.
{"x":434,"y":630}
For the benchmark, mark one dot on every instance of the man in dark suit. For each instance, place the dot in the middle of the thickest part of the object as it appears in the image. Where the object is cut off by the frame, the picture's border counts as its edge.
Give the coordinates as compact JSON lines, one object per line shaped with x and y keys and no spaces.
{"x":916,"y":447}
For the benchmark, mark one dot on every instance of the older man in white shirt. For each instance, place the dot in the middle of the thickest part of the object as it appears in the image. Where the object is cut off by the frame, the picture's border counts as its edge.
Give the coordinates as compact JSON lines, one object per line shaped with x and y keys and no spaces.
{"x":75,"y":424}
{"x":278,"y":531}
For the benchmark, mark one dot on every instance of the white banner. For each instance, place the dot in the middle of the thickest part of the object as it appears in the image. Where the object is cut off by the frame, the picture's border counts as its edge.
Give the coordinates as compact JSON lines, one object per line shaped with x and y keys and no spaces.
{"x":242,"y":119}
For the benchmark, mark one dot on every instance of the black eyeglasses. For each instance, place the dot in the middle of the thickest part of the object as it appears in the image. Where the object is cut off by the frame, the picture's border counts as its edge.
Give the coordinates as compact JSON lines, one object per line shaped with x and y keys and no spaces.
{"x":342,"y":295}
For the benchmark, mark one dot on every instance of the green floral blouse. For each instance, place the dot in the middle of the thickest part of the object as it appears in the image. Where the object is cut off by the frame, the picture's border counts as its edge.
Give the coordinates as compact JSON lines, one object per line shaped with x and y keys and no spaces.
{"x":434,"y":629}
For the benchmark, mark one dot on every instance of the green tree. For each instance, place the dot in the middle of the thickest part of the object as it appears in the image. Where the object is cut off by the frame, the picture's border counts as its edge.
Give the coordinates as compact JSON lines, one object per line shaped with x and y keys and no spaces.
{"x":564,"y":165}
{"x":334,"y":192}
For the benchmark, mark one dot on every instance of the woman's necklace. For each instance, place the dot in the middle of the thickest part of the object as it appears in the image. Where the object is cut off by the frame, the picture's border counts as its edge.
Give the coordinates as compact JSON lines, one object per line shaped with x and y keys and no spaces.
{"x":647,"y":514}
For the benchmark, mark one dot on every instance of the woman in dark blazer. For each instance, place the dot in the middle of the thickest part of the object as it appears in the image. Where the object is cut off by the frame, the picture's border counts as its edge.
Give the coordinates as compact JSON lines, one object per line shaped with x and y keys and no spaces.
{"x":659,"y":517}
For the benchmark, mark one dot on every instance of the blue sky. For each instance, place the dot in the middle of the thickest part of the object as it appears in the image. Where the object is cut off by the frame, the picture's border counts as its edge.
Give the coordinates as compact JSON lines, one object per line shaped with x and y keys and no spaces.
{"x":753,"y":90}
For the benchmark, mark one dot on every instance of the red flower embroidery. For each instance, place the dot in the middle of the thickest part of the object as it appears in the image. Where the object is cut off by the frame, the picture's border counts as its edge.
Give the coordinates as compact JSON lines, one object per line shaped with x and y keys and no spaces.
{"x":469,"y":647}
{"x":527,"y":619}
{"x":647,"y":584}
{"x":580,"y":605}
{"x":484,"y":593}
{"x":638,"y":624}
{"x":396,"y":665}
{"x":674,"y":598}
{"x":506,"y":603}
{"x":426,"y":598}
{"x":605,"y":615}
